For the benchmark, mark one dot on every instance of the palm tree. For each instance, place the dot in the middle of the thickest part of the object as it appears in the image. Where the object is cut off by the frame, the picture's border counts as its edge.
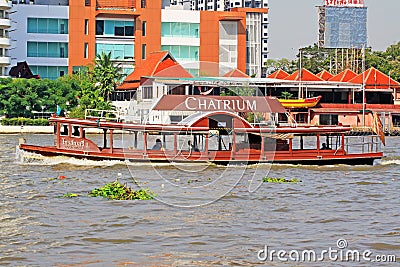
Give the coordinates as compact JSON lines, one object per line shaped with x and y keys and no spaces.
{"x":106,"y":74}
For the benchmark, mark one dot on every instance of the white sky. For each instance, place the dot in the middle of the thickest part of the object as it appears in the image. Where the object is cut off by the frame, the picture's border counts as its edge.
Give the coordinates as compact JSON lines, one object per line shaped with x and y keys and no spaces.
{"x":294,"y":24}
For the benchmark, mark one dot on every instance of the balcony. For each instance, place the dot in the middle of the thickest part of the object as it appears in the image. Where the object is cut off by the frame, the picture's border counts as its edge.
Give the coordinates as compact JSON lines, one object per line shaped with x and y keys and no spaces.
{"x":4,"y":41}
{"x":5,"y":23}
{"x":4,"y":5}
{"x":115,"y":4}
{"x":5,"y":61}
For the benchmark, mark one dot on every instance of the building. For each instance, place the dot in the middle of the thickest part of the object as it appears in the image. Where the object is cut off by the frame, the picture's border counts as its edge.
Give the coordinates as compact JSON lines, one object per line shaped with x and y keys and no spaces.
{"x":39,"y":35}
{"x":5,"y":24}
{"x":256,"y":26}
{"x":343,"y":29}
{"x":60,"y":37}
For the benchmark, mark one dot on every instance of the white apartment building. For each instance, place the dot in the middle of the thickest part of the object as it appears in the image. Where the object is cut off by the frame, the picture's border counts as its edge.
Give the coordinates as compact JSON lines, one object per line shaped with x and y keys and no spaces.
{"x":5,"y":24}
{"x":39,"y":36}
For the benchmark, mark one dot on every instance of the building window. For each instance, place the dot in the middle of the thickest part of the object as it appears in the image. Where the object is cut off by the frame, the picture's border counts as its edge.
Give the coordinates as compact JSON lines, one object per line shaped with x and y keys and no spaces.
{"x":180,"y":29}
{"x":144,"y":28}
{"x":49,"y":72}
{"x":87,"y":2}
{"x":328,"y":119}
{"x":114,"y":28}
{"x":143,"y":3}
{"x":147,"y":92}
{"x":48,"y":26}
{"x":86,"y":51}
{"x":182,"y":52}
{"x":86,"y":26}
{"x":143,"y":51}
{"x":118,"y":51}
{"x":47,"y":49}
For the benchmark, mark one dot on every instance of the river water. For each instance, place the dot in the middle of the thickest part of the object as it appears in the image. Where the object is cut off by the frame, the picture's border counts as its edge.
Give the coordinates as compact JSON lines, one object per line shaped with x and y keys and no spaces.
{"x":203,"y":215}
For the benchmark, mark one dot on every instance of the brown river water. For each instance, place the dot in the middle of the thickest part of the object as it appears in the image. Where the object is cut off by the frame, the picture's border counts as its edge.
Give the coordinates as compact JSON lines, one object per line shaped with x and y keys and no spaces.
{"x":202,"y":215}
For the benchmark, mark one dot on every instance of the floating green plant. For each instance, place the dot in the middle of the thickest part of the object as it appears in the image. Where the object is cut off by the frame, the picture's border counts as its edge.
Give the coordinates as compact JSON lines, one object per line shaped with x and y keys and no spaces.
{"x":279,"y":180}
{"x":118,"y":191}
{"x":69,"y":195}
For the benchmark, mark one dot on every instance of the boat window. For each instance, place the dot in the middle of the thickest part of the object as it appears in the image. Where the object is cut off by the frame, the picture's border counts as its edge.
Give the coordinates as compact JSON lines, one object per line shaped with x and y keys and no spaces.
{"x":282,"y":145}
{"x":64,"y":129}
{"x":254,"y":141}
{"x":220,"y":140}
{"x":75,"y":131}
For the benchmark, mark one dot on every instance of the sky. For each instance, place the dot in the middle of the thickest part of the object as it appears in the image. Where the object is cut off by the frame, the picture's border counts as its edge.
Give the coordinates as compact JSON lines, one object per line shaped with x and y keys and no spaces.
{"x":294,"y":24}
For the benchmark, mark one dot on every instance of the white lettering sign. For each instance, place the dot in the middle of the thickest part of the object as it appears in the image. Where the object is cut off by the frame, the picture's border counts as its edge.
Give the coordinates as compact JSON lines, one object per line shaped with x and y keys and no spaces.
{"x":193,"y":103}
{"x":71,"y":144}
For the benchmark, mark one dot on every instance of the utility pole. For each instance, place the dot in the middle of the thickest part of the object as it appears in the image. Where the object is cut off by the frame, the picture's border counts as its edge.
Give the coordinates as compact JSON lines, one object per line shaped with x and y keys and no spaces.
{"x":363,"y":85}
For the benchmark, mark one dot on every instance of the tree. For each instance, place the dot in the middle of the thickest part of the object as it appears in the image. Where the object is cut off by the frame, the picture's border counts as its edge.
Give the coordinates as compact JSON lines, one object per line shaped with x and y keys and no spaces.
{"x":313,"y":58}
{"x":106,"y":74}
{"x":284,"y":64}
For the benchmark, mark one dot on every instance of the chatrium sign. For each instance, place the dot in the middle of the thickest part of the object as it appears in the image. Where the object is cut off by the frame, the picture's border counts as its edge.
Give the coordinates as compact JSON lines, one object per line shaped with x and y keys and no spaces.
{"x":219,"y":103}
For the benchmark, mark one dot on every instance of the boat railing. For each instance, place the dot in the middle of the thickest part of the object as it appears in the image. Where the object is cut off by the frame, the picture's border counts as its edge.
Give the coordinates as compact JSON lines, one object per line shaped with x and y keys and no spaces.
{"x":99,"y":114}
{"x":362,"y":144}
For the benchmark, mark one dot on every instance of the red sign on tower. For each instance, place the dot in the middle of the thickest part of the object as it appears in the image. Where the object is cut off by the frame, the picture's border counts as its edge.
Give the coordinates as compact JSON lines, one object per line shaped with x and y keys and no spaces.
{"x":345,"y":3}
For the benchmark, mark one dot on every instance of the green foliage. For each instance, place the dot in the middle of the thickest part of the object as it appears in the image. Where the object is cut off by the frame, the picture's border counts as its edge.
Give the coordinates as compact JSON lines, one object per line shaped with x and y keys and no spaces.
{"x":386,"y":61}
{"x":24,"y":121}
{"x":106,"y":75}
{"x":75,"y":92}
{"x":285,"y":64}
{"x":279,"y":180}
{"x":241,"y":91}
{"x":118,"y":191}
{"x":19,"y":97}
{"x":69,"y":195}
{"x":286,"y":95}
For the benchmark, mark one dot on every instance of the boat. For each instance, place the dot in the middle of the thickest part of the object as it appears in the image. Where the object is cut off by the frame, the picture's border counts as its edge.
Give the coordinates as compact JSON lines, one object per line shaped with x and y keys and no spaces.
{"x":208,"y":136}
{"x":300,"y":103}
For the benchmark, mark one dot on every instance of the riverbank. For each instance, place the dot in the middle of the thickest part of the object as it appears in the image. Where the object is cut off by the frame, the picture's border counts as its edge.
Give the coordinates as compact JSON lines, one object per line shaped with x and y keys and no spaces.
{"x":6,"y":129}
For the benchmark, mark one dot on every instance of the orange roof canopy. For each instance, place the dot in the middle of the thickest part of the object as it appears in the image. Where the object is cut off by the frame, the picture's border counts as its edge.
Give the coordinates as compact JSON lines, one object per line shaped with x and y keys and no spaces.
{"x":160,"y":64}
{"x":375,"y":79}
{"x":325,"y":75}
{"x":278,"y":74}
{"x":344,"y":76}
{"x":306,"y":75}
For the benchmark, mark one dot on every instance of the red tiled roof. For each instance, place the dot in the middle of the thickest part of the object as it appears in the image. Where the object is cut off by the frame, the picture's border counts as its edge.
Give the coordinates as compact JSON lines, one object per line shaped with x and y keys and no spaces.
{"x":128,"y":86}
{"x":343,"y":76}
{"x":325,"y":75}
{"x":374,"y":78}
{"x":278,"y":74}
{"x":306,"y":75}
{"x":170,"y":68}
{"x":236,"y":73}
{"x":160,"y":64}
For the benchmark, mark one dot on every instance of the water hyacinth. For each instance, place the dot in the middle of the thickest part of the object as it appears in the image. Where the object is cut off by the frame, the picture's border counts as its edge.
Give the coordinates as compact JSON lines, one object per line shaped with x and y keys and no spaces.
{"x":118,"y":191}
{"x":279,"y":180}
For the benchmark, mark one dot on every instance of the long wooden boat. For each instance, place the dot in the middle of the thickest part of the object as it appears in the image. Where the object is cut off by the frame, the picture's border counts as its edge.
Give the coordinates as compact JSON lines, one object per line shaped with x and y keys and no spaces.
{"x":300,"y":103}
{"x":220,"y":137}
